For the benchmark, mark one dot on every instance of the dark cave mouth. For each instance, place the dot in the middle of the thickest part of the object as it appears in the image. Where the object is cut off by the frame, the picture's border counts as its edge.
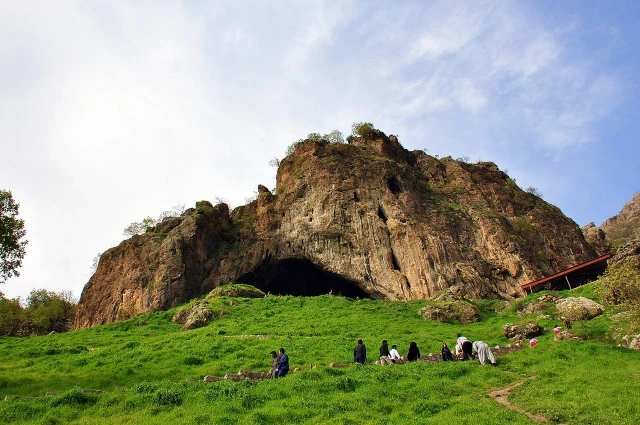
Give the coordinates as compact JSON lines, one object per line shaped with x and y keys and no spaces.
{"x":300,"y":278}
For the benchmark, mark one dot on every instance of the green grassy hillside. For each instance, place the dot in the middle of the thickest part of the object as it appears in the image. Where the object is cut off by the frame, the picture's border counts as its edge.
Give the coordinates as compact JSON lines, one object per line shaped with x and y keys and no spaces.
{"x":150,"y":370}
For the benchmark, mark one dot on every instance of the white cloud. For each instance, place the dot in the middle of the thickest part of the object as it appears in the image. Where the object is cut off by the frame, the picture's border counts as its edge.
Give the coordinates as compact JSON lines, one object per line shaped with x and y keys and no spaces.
{"x":111,"y":111}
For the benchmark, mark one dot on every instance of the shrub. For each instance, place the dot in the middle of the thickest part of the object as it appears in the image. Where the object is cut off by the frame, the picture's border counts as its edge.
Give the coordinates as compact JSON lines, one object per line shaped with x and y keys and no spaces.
{"x":145,"y":387}
{"x":362,"y":129}
{"x":534,"y":191}
{"x":74,"y":396}
{"x":620,"y":284}
{"x":523,"y":228}
{"x":334,"y":136}
{"x":193,"y":361}
{"x":168,"y":396}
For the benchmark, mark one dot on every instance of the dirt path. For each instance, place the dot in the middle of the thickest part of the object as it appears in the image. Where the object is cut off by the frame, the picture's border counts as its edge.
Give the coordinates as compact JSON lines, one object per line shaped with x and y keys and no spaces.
{"x":502,"y":397}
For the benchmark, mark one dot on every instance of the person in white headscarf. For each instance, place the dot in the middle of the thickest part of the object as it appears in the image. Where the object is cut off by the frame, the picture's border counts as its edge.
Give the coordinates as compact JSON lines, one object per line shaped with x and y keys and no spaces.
{"x":484,"y":352}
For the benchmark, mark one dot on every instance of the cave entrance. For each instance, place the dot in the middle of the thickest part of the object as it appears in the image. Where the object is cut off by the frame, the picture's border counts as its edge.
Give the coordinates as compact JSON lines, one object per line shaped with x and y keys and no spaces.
{"x":300,"y":278}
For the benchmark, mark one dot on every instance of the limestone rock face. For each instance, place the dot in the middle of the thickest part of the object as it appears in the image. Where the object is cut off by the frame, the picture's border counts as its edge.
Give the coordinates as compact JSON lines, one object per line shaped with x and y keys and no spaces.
{"x":622,"y":228}
{"x":365,"y":219}
{"x":626,"y":224}
{"x":597,"y":238}
{"x":158,"y":270}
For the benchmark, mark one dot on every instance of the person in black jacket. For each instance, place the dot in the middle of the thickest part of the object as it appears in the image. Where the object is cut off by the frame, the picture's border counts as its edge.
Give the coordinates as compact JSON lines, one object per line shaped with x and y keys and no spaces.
{"x":360,"y":352}
{"x":384,"y":353}
{"x":414,"y":352}
{"x":446,"y":353}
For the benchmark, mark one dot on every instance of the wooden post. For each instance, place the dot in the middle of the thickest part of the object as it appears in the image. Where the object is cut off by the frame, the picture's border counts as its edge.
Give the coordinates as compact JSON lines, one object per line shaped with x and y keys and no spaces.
{"x":568,"y":283}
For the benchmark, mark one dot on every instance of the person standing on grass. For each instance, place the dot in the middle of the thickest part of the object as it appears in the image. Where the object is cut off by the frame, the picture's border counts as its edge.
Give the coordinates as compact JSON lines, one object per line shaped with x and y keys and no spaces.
{"x":446,"y":353}
{"x":384,"y":352}
{"x":463,"y":345}
{"x":360,"y":352}
{"x":274,"y":364}
{"x":484,"y":352}
{"x":414,"y":352}
{"x":283,"y":364}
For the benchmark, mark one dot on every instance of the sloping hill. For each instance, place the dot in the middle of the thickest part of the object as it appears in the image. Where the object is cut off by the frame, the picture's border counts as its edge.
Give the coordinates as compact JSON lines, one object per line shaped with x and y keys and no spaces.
{"x":151,"y":371}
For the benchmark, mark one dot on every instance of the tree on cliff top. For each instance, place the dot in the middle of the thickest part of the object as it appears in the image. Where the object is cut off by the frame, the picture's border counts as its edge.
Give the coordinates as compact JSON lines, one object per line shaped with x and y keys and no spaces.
{"x":12,"y":249}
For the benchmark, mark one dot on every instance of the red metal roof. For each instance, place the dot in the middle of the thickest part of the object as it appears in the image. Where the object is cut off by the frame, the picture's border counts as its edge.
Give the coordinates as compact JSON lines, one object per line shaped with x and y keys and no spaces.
{"x":538,"y":282}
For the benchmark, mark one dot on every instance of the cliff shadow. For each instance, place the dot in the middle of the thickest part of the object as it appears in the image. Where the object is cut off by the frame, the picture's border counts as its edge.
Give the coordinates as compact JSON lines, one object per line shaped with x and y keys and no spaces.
{"x":299,"y":277}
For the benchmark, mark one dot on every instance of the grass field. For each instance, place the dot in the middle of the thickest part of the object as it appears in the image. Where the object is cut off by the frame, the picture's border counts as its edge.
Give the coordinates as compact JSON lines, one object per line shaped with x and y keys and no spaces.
{"x":150,"y":370}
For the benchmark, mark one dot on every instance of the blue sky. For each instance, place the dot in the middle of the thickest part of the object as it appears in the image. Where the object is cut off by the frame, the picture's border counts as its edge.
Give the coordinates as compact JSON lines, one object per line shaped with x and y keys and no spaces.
{"x":113,"y":111}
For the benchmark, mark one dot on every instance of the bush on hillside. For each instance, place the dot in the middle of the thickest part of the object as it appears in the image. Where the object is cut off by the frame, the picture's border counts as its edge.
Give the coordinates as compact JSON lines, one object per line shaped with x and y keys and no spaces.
{"x":620,"y":284}
{"x":238,"y":290}
{"x":334,"y":137}
{"x":362,"y":129}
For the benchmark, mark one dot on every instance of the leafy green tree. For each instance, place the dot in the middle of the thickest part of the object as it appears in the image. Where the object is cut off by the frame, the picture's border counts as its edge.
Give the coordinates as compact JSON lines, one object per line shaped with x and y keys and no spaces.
{"x":147,"y":223}
{"x":534,"y":191}
{"x":334,"y":136}
{"x":12,"y":248}
{"x":362,"y":129}
{"x":51,"y":311}
{"x":12,"y":316}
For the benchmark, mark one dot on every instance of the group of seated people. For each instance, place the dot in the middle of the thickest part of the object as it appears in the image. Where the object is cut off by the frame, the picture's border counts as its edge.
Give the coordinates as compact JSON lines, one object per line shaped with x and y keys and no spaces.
{"x":387,"y":356}
{"x":464,"y":350}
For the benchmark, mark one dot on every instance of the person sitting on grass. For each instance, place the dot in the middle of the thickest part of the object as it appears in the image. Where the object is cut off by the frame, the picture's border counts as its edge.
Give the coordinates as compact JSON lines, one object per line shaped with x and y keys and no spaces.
{"x":384,"y":353}
{"x":274,"y":364}
{"x":484,"y":352}
{"x":446,"y":353}
{"x":360,"y":353}
{"x":414,"y":352}
{"x":283,"y":364}
{"x":394,"y":355}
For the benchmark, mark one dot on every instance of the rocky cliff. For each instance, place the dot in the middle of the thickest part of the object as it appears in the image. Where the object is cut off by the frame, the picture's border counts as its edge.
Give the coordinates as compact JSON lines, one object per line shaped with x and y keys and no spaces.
{"x":618,"y":230}
{"x":367,"y":219}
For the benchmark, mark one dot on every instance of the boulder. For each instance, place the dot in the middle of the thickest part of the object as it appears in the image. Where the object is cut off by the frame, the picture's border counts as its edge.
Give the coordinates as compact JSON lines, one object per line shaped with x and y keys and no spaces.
{"x":520,"y":332}
{"x":448,"y":312}
{"x":548,"y":298}
{"x":253,"y":375}
{"x":199,"y":314}
{"x":630,"y":249}
{"x":631,"y":341}
{"x":579,"y":308}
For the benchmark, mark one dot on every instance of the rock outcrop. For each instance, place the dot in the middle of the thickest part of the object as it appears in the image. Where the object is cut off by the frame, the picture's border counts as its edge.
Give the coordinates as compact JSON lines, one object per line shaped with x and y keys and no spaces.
{"x":450,"y":312}
{"x":364,"y":219}
{"x":618,"y":230}
{"x":625,"y":225}
{"x":521,"y":332}
{"x":579,"y":308}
